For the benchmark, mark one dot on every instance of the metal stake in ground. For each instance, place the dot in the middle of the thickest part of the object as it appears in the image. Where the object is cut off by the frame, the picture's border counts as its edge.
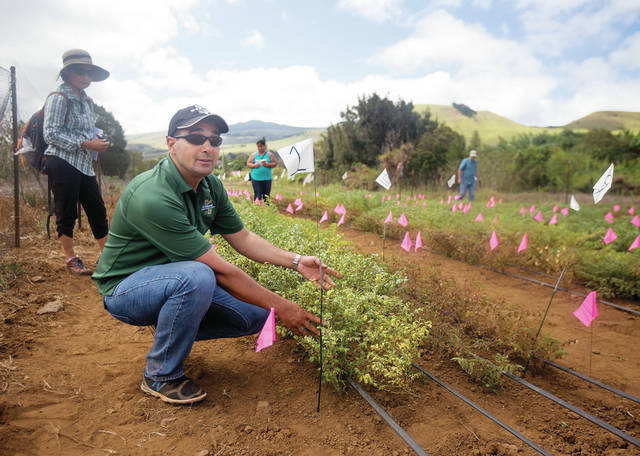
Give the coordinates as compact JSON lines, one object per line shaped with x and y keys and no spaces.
{"x":524,"y":372}
{"x":321,"y":309}
{"x":384,"y":236}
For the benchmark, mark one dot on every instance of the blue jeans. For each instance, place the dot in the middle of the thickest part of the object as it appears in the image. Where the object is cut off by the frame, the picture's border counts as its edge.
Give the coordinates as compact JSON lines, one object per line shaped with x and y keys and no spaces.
{"x":463,"y":190}
{"x":261,"y":189}
{"x":184,"y":303}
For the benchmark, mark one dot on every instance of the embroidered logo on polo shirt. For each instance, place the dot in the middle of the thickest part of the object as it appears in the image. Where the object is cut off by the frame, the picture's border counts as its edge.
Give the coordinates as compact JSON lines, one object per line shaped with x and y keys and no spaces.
{"x":207,"y":206}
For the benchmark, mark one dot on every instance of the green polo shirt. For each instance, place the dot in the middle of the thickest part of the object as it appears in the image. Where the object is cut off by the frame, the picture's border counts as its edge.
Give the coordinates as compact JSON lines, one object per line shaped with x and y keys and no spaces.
{"x":160,"y":219}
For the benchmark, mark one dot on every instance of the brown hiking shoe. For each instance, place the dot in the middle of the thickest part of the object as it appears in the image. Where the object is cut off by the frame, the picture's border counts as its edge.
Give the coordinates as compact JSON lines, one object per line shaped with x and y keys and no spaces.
{"x":182,"y":390}
{"x":76,"y":266}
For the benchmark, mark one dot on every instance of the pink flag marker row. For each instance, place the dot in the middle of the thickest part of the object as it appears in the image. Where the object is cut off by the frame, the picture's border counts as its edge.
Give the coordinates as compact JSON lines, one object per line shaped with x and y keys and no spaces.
{"x":608,"y":238}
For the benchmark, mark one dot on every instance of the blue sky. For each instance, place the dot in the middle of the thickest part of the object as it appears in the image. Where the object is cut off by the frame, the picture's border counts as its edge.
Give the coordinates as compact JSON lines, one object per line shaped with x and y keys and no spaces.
{"x":539,"y":62}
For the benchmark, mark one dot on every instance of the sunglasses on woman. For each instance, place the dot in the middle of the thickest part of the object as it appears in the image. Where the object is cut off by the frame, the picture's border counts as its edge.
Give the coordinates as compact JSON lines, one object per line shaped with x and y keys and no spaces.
{"x":79,"y":70}
{"x":197,"y":139}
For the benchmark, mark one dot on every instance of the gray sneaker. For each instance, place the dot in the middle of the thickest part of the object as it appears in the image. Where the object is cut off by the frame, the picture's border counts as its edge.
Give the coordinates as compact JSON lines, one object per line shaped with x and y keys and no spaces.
{"x":182,"y":390}
{"x":76,"y":266}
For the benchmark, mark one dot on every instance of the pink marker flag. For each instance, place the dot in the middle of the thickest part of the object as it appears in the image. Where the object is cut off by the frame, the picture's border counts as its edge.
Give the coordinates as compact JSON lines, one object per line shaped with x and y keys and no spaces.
{"x":406,"y":204}
{"x":554,"y":219}
{"x":634,"y":245}
{"x":402,"y":220}
{"x":268,"y":334}
{"x":522,"y":210}
{"x":523,"y":243}
{"x":532,"y":209}
{"x":406,"y":242}
{"x":588,"y":311}
{"x":337,"y":209}
{"x":299,"y":206}
{"x":493,"y":242}
{"x":424,"y":204}
{"x":479,"y":217}
{"x":555,"y":208}
{"x":247,"y":196}
{"x":564,"y":211}
{"x":460,"y":206}
{"x":383,"y":198}
{"x":609,"y":217}
{"x":398,"y":203}
{"x":631,"y":210}
{"x":538,"y":216}
{"x":297,"y":201}
{"x":324,"y":217}
{"x":454,"y":208}
{"x":389,"y":218}
{"x":495,"y":219}
{"x":279,"y":196}
{"x":442,"y":201}
{"x":500,"y":201}
{"x":449,"y":200}
{"x":610,"y":236}
{"x":290,"y":209}
{"x":397,"y":195}
{"x":616,"y":208}
{"x":635,"y":221}
{"x":341,"y":221}
{"x":457,"y":197}
{"x":488,"y":204}
{"x":419,"y":242}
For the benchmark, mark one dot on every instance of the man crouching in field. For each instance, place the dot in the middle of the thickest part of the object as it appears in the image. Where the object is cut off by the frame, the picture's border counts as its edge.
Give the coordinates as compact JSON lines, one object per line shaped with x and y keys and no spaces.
{"x":157,"y":267}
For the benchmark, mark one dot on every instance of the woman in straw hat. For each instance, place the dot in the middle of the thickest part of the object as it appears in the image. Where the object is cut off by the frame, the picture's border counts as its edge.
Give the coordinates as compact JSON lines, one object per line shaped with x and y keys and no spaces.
{"x":73,"y":145}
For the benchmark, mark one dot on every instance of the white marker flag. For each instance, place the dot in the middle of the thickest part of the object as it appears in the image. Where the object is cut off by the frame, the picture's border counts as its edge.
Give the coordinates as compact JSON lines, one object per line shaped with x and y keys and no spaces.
{"x":282,"y":173}
{"x":224,"y":176}
{"x":246,"y":177}
{"x":603,"y":185}
{"x":451,"y":181}
{"x":344,"y":176}
{"x":308,"y":179}
{"x":383,"y":179}
{"x":573,"y":204}
{"x":298,"y":157}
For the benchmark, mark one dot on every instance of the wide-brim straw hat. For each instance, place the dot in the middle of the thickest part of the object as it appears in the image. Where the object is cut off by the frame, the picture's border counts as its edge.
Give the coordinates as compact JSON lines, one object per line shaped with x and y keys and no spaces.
{"x":82,"y":57}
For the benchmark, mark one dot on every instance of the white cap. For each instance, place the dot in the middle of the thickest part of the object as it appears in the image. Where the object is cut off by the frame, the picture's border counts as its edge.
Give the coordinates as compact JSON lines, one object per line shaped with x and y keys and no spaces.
{"x":473,"y":153}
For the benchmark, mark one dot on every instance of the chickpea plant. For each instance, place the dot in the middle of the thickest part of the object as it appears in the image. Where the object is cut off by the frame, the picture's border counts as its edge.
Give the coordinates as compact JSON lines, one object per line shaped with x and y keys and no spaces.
{"x":371,"y":334}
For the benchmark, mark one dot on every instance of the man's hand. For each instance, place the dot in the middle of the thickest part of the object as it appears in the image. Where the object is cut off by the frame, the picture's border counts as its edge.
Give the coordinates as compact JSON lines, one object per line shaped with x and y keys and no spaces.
{"x":298,"y":320}
{"x":309,"y":268}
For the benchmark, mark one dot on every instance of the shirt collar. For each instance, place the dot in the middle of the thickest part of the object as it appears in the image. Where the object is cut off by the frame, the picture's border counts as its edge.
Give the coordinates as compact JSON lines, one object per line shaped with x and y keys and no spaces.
{"x":70,"y":93}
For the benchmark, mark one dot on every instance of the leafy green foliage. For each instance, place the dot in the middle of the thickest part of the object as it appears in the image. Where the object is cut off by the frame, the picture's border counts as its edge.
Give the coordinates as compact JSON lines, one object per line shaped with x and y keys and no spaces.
{"x":371,"y":334}
{"x":115,"y":160}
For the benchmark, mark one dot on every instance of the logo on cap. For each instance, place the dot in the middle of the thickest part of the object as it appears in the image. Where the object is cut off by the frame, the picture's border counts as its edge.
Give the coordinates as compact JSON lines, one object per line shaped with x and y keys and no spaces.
{"x":199,"y":109}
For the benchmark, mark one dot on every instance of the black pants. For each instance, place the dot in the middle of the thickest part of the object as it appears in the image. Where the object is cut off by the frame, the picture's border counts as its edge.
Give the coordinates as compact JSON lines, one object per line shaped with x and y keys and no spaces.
{"x":70,"y":186}
{"x":261,"y":189}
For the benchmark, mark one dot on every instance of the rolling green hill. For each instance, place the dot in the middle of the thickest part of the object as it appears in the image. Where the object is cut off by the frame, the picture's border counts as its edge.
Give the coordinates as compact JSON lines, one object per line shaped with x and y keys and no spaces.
{"x":242,"y":137}
{"x":489,"y":126}
{"x":609,"y":120}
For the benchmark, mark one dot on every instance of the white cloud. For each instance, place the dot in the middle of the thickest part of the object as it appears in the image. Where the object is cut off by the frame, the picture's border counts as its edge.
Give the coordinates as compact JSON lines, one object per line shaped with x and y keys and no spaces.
{"x":441,"y":40}
{"x":373,"y":10}
{"x":255,"y":39}
{"x":628,"y":55}
{"x":486,"y":4}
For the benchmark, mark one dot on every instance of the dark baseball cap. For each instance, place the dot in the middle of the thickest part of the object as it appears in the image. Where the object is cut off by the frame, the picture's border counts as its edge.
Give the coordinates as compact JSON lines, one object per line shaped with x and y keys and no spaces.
{"x":188,"y":117}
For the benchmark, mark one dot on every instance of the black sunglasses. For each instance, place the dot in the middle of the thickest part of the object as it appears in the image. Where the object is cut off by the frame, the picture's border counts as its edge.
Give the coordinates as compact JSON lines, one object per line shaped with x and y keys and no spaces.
{"x":79,"y":70}
{"x":197,"y":139}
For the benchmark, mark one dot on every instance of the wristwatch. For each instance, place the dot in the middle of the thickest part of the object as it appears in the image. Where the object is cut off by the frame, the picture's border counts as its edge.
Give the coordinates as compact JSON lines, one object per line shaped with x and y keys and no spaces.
{"x":296,"y":260}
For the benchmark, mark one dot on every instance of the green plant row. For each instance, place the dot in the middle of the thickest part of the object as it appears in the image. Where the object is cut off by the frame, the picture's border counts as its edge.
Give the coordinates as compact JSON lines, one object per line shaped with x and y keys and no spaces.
{"x":576,"y":240}
{"x":371,"y":334}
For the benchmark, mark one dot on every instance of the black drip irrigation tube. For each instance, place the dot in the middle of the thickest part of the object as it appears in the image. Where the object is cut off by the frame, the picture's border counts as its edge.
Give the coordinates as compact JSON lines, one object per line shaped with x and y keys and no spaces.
{"x":603,"y":424}
{"x":592,"y":380}
{"x":575,"y":293}
{"x":390,"y":421}
{"x":539,"y":282}
{"x":483,"y":411}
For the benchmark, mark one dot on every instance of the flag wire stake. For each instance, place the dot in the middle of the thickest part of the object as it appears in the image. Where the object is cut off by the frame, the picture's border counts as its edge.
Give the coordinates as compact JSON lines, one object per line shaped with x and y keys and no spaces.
{"x":315,"y":191}
{"x":524,"y":372}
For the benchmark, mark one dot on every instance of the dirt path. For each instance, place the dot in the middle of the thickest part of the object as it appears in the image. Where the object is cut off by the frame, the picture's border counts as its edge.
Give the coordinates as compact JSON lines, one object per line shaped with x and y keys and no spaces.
{"x":69,"y":381}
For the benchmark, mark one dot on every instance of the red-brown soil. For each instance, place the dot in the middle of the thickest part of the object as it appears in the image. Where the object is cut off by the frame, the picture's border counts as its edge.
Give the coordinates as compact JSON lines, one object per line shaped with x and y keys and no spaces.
{"x":69,"y":381}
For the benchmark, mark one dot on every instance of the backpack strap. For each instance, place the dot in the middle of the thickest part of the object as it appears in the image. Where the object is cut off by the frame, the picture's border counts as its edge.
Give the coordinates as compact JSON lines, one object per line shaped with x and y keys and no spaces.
{"x":66,"y":99}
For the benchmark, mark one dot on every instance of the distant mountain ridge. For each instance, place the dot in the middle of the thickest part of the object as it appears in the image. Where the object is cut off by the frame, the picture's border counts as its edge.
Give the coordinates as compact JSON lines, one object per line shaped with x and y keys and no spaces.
{"x":242,"y":136}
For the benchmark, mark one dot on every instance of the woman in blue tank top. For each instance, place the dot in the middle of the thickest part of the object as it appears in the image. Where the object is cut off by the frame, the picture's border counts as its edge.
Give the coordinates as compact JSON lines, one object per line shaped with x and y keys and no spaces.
{"x":261,"y":163}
